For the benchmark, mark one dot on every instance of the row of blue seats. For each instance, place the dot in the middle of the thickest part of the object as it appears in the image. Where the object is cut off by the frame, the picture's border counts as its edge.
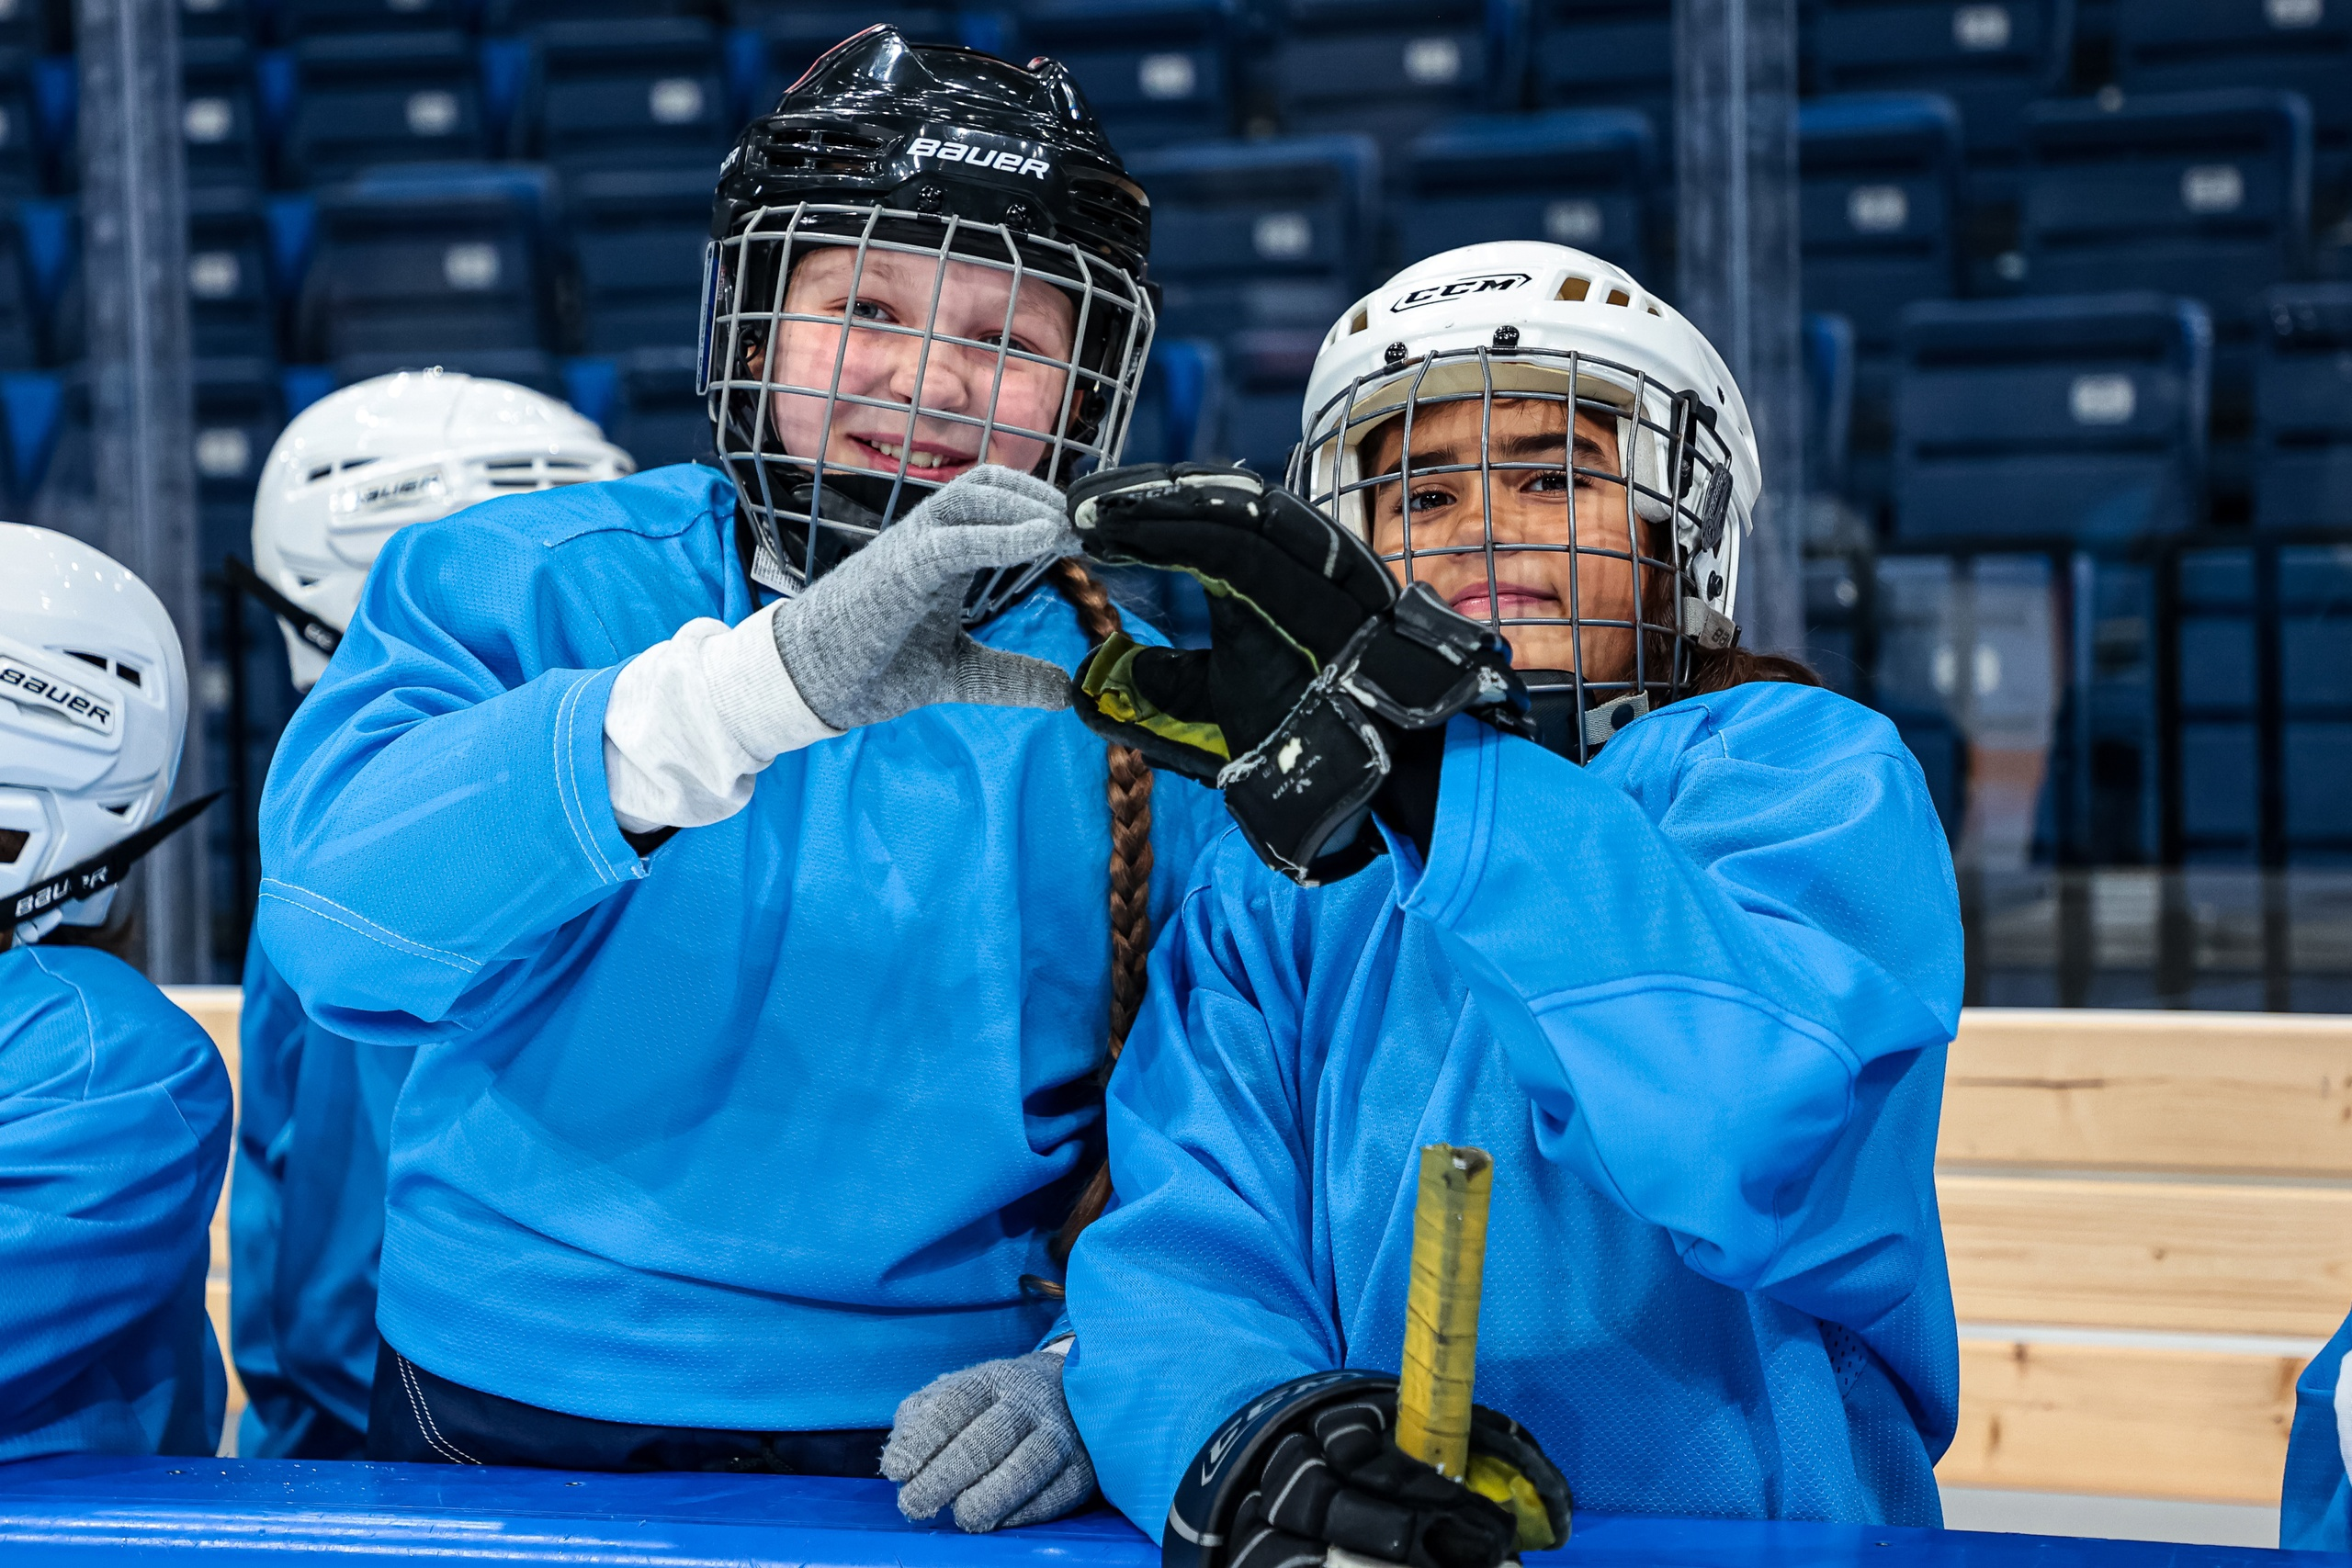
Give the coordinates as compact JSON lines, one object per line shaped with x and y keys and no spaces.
{"x":2085,"y":418}
{"x":1964,"y":655}
{"x":1179,"y":66}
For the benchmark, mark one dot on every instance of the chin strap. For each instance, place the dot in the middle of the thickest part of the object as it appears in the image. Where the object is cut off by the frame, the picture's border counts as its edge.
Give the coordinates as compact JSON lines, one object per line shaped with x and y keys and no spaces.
{"x":105,"y":869}
{"x":301,"y":621}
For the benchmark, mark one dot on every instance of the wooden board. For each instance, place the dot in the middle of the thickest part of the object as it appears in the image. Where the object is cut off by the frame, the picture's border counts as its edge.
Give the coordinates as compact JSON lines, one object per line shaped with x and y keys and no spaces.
{"x":2201,"y":1257}
{"x":216,"y":1008}
{"x":2214,"y":1092}
{"x":2189,"y":1423}
{"x":216,"y":1306}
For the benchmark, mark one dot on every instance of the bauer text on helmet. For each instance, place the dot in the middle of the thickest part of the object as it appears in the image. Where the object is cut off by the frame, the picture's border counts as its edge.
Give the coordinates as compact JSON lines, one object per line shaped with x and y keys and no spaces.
{"x":93,"y":711}
{"x":365,"y":461}
{"x":1552,"y":450}
{"x":924,"y":260}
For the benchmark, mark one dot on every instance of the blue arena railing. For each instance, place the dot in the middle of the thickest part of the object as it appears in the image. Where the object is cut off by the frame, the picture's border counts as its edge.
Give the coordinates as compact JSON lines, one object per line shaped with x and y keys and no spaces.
{"x":233,"y":1512}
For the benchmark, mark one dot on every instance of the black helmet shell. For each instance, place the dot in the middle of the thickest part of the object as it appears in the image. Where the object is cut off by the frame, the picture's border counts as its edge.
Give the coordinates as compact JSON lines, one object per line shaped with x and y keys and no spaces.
{"x":936,"y":129}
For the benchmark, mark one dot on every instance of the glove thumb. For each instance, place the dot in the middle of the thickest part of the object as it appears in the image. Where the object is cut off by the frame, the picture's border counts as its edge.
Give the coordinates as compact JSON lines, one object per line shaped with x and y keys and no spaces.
{"x":994,"y":677}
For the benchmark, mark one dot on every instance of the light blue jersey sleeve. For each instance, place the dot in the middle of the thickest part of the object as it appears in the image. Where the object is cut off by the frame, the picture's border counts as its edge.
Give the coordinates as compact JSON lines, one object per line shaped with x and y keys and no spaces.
{"x":1712,"y":956}
{"x":2315,"y":1503}
{"x":1723,"y":963}
{"x":459,"y":736}
{"x":114,"y":1132}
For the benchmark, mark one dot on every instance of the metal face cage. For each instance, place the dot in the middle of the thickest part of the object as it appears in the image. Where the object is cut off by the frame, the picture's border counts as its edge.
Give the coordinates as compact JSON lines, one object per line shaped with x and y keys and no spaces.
{"x":1639,"y":560}
{"x":781,"y":382}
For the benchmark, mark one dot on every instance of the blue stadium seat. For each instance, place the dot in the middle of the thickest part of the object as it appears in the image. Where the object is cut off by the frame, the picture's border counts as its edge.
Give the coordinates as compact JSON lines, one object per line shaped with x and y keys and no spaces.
{"x":2219,"y":748}
{"x":231,"y":308}
{"x":1385,"y":68}
{"x":2080,"y":418}
{"x":2315,"y":665}
{"x":1990,"y":57}
{"x":661,"y":418}
{"x":626,"y":93}
{"x":369,"y":98}
{"x":308,"y":18}
{"x":31,"y":402}
{"x":1603,"y":53}
{"x":2303,"y":408}
{"x":20,"y":307}
{"x":1258,"y":246}
{"x":50,"y":232}
{"x":214,"y":19}
{"x":2302,"y":46}
{"x":638,"y":235}
{"x":1879,"y":201}
{"x":218,"y":118}
{"x":1826,"y":341}
{"x":2202,"y":194}
{"x":1581,"y":177}
{"x":529,"y":368}
{"x":239,"y":411}
{"x":1180,"y":409}
{"x":790,"y":38}
{"x":514,"y":15}
{"x":1155,"y":71}
{"x":430,"y":261}
{"x":21,"y":149}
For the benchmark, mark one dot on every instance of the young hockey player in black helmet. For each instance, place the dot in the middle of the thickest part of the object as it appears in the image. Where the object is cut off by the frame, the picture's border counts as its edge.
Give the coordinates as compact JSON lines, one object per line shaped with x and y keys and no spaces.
{"x":713,"y":838}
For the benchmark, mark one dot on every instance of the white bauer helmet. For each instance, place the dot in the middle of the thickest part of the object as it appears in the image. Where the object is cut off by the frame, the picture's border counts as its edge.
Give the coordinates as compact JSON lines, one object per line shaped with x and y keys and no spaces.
{"x":369,"y":459}
{"x":1518,"y":320}
{"x":93,"y":713}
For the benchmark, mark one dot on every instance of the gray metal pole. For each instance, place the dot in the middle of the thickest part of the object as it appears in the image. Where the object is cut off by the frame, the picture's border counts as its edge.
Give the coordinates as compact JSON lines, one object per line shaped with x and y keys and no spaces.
{"x":1736,"y":174}
{"x":134,"y":273}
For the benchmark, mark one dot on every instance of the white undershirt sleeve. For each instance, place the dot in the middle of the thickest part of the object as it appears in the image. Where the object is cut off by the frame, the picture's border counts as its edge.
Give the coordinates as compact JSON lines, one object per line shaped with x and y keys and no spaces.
{"x":694,"y":720}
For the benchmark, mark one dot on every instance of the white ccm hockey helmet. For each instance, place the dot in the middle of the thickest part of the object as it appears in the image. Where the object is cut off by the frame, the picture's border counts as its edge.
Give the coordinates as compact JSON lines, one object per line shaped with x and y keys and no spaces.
{"x":409,"y":447}
{"x":1511,"y":324}
{"x":93,"y":711}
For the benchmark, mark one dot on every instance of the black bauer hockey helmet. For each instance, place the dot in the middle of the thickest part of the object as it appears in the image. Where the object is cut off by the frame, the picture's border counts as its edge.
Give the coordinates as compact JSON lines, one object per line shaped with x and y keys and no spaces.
{"x":914,"y":164}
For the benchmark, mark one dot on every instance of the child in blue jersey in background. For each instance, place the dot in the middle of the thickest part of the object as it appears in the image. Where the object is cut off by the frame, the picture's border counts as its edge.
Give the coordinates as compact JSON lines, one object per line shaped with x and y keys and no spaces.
{"x":1693,"y":994}
{"x":2315,"y":1504}
{"x":114,"y":1106}
{"x":713,"y":838}
{"x":306,"y":1208}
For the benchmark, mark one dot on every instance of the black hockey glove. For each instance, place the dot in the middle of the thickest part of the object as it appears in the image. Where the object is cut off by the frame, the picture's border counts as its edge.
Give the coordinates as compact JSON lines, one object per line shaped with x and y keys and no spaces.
{"x":1322,"y":687}
{"x":1315,"y":1467}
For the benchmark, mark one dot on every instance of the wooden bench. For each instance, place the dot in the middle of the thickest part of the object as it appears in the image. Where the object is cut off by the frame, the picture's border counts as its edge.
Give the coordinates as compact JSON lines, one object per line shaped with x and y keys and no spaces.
{"x":2149,"y":1222}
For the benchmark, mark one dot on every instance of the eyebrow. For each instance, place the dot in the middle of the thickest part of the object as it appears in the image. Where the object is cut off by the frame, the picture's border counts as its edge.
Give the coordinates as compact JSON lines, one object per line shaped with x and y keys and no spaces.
{"x":1515,"y":448}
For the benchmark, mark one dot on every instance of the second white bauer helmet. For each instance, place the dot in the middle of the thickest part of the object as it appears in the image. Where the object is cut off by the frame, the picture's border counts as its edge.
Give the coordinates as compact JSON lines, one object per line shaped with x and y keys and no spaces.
{"x":93,"y":714}
{"x":409,"y":447}
{"x":1525,"y":319}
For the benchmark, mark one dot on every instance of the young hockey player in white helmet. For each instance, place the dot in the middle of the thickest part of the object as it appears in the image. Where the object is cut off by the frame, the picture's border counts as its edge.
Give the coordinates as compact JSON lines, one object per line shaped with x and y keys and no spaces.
{"x":715,"y":836}
{"x":306,"y":1210}
{"x":1663,"y":926}
{"x":115,"y":1105}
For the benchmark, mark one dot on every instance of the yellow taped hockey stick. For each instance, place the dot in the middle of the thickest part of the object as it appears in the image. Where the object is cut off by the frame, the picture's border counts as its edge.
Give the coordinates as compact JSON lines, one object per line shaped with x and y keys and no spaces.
{"x":1442,"y":1307}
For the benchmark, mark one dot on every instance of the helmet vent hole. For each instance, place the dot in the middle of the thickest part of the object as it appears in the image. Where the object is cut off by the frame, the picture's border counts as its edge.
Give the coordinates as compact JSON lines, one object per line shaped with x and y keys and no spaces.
{"x":122,"y":810}
{"x":128,"y":673}
{"x":1618,"y":297}
{"x":12,"y":844}
{"x":1574,"y":288}
{"x":1362,"y":322}
{"x":97,"y":659}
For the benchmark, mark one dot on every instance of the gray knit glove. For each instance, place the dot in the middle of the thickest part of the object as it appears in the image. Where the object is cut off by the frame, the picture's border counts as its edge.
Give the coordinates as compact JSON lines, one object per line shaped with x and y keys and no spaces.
{"x":882,"y":633}
{"x":996,"y":1440}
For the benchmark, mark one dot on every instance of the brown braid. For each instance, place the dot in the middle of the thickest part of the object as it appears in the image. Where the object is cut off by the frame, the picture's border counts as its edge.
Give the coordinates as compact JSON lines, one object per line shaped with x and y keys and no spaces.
{"x":1130,"y":884}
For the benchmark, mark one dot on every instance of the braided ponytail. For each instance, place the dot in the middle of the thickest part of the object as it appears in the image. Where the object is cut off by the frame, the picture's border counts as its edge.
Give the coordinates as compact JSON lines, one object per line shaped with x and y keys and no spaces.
{"x":1130,"y":885}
